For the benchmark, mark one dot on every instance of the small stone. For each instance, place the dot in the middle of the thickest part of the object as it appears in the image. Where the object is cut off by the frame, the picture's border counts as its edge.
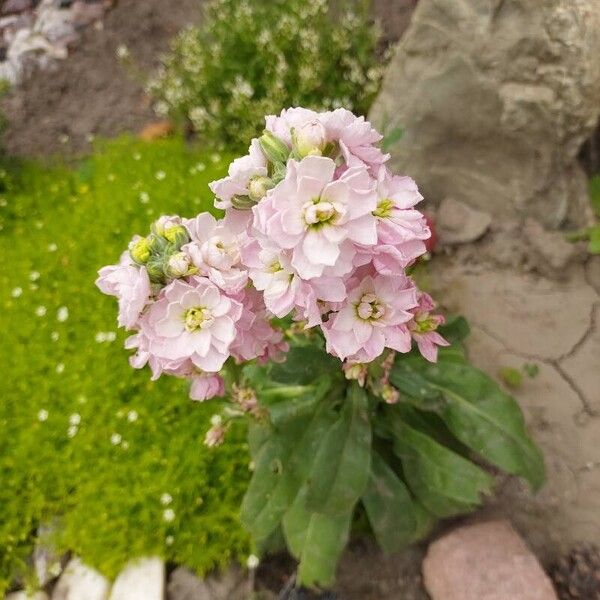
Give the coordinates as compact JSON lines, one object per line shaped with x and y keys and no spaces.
{"x":487,"y":561}
{"x":142,"y":579}
{"x":184,"y":585}
{"x":458,"y":223}
{"x":80,"y":581}
{"x":550,"y":252}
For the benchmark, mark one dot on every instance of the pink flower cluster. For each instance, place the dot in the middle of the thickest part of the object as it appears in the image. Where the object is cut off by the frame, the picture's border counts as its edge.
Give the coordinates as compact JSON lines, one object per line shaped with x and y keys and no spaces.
{"x":315,"y":226}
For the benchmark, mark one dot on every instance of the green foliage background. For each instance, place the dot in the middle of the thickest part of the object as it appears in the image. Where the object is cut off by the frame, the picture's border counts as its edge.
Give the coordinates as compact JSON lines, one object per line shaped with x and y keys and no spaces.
{"x":57,"y":227}
{"x":251,"y":58}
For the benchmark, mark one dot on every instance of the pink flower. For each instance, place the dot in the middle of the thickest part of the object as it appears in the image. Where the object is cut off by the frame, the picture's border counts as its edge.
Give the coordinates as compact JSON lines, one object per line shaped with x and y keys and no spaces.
{"x":206,"y":386}
{"x":215,"y":251}
{"x":316,"y":216}
{"x":242,"y":173}
{"x":356,"y":137}
{"x":284,"y":291}
{"x":290,"y":118}
{"x":256,"y":338}
{"x":194,"y":321}
{"x":397,"y":220}
{"x":423,"y":328}
{"x":372,"y":319}
{"x":130,"y":284}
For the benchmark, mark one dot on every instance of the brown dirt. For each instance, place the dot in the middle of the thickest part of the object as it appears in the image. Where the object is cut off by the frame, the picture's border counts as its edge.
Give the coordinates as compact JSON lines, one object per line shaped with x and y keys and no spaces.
{"x":91,"y":93}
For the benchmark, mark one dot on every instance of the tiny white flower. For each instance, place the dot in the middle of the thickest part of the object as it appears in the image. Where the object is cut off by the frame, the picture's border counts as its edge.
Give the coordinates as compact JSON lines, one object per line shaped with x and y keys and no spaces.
{"x":40,"y":311}
{"x":63,"y":138}
{"x":16,"y":292}
{"x":115,"y":439}
{"x":125,"y":445}
{"x":110,"y":336}
{"x":252,"y":562}
{"x":52,"y":247}
{"x":160,"y":175}
{"x":72,"y":431}
{"x":216,"y":420}
{"x":75,"y":419}
{"x":144,"y":197}
{"x":169,"y":515}
{"x":100,"y":337}
{"x":166,"y":499}
{"x":169,"y":540}
{"x":132,"y":416}
{"x":42,"y":415}
{"x":60,"y":368}
{"x":62,"y":314}
{"x":200,"y":167}
{"x":34,"y":275}
{"x":122,"y":52}
{"x":54,"y":336}
{"x":216,"y":157}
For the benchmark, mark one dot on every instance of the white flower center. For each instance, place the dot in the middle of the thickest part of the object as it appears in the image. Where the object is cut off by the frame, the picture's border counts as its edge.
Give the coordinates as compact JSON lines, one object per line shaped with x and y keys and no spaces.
{"x":318,"y":212}
{"x":370,"y":308}
{"x":197,"y":318}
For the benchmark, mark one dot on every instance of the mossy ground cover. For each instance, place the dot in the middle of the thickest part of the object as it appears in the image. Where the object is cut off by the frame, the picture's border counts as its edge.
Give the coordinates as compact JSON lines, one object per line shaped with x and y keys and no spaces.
{"x":115,"y":460}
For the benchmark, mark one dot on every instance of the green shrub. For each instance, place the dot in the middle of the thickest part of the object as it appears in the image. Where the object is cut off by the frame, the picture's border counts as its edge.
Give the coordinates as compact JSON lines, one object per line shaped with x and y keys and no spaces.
{"x":250,"y":58}
{"x":87,"y":441}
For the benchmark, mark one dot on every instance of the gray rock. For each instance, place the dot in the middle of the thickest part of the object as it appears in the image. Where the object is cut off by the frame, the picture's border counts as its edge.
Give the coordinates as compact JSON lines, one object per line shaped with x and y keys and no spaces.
{"x":458,"y":223}
{"x":79,"y":581}
{"x":184,"y":585}
{"x":143,"y":579}
{"x":495,"y":100}
{"x":488,"y":561}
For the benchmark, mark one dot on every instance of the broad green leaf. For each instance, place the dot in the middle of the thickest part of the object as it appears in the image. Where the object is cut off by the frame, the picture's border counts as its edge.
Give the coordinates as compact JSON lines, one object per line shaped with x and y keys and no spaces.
{"x":281,"y":467}
{"x":446,"y":483}
{"x":303,"y":364}
{"x":316,"y":540}
{"x":455,"y":329}
{"x":340,"y":470}
{"x":389,"y":506}
{"x":477,"y":412}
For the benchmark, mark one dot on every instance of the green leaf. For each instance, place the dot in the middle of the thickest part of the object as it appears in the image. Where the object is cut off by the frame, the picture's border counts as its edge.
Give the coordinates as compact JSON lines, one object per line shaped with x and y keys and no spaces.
{"x":316,"y":540}
{"x":389,"y":506}
{"x":446,"y":483}
{"x":478,"y":413}
{"x":456,"y":329}
{"x":340,"y":471}
{"x":303,"y":365}
{"x":281,"y":467}
{"x":594,"y":243}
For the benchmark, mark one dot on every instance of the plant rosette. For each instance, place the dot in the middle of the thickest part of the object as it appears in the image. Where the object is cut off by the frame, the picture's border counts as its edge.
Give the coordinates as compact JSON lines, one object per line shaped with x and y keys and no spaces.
{"x":298,"y":311}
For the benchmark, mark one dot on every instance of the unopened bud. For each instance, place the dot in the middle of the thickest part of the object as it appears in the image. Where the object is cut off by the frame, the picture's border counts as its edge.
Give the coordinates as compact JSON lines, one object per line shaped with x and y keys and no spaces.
{"x":180,"y":265}
{"x":155,"y":271}
{"x":273,"y":148}
{"x":177,"y":235}
{"x":140,"y":250}
{"x":258,"y":187}
{"x":356,"y":371}
{"x":242,"y":202}
{"x":390,"y":394}
{"x":309,"y":140}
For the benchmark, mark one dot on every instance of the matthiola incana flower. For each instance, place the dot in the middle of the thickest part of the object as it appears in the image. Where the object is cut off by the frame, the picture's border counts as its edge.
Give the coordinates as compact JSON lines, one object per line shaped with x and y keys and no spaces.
{"x":131,"y":286}
{"x":423,"y":327}
{"x":373,"y":318}
{"x":318,"y":217}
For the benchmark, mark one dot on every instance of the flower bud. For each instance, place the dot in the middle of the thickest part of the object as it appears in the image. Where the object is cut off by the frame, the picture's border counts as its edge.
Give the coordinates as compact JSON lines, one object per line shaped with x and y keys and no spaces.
{"x":140,"y":250}
{"x":155,"y":271}
{"x":258,"y":187}
{"x":390,"y":394}
{"x":309,"y":140}
{"x":273,"y":148}
{"x":242,"y":202}
{"x":177,"y":235}
{"x":180,"y":265}
{"x":356,"y":371}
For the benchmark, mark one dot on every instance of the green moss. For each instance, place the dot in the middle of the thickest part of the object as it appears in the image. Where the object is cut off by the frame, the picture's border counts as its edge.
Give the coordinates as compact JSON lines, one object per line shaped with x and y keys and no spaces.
{"x":58,"y":226}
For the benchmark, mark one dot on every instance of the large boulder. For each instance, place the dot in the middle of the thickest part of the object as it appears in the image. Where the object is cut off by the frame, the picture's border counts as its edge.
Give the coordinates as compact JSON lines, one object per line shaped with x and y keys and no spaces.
{"x":495,"y":100}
